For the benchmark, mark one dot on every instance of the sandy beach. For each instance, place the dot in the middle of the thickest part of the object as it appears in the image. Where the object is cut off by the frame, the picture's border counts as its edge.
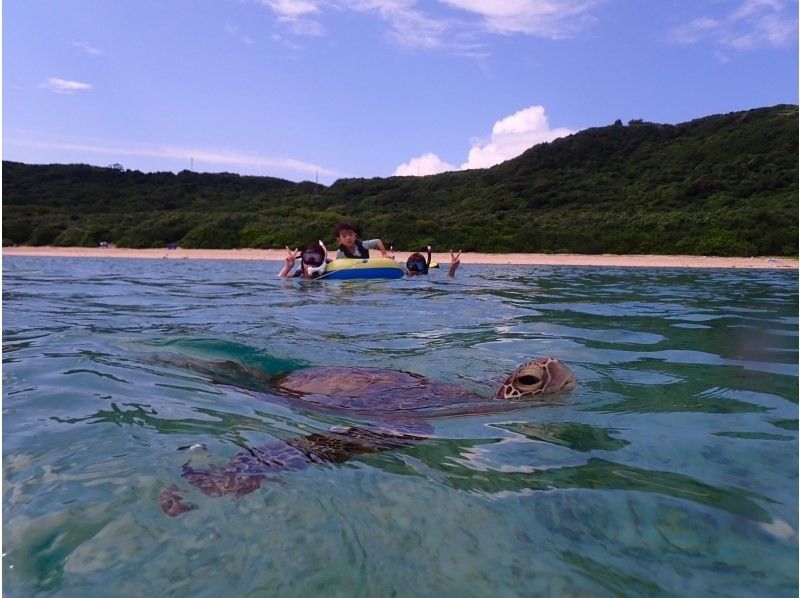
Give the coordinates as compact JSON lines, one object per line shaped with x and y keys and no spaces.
{"x":533,"y":259}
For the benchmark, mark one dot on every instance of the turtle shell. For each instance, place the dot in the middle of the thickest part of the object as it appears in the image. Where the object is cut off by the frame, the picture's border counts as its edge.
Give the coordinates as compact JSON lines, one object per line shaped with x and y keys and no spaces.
{"x":372,"y":389}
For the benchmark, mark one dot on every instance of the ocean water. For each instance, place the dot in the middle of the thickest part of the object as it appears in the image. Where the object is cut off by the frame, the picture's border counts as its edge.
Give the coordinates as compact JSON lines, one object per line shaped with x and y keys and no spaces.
{"x":672,"y":469}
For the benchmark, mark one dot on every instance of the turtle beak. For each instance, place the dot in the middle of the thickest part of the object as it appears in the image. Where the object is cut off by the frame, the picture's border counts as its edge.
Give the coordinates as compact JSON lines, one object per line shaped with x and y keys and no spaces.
{"x":560,"y":377}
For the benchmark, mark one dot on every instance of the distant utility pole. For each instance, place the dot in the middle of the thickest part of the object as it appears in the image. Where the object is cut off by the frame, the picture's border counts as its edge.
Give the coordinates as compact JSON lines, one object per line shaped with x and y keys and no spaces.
{"x":191,"y":164}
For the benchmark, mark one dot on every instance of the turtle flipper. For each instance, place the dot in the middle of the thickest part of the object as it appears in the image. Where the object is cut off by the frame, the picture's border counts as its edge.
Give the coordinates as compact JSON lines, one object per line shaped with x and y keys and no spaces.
{"x":241,"y":476}
{"x":172,"y":502}
{"x":215,"y":481}
{"x":218,"y":481}
{"x":346,"y":443}
{"x":248,"y":468}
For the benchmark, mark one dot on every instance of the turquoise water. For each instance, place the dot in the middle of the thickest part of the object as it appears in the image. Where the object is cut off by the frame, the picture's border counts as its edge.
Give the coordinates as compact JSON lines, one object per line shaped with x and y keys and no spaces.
{"x":671,"y":470}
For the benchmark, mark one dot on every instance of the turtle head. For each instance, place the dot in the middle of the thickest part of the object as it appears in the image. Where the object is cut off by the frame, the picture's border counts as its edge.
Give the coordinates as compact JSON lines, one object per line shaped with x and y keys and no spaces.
{"x":543,"y":375}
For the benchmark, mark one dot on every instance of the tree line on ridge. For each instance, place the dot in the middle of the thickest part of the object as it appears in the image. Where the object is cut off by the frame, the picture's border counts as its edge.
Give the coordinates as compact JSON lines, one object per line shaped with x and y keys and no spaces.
{"x":719,"y":185}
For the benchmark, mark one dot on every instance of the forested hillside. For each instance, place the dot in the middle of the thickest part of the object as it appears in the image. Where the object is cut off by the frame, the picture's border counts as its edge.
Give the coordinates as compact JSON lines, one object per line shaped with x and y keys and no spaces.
{"x":719,"y":185}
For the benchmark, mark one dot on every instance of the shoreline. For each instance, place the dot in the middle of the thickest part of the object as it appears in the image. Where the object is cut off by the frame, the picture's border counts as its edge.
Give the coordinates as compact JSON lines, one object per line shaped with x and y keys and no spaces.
{"x":519,"y":259}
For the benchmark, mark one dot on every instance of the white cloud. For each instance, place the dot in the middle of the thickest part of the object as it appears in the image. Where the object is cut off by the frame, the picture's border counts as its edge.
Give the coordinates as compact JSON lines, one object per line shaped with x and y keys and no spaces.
{"x":510,"y":137}
{"x":545,"y":18}
{"x":87,"y":48}
{"x":423,"y":165}
{"x":292,"y":9}
{"x":408,"y":26}
{"x":307,"y":27}
{"x":57,"y":85}
{"x":234,"y":31}
{"x":752,"y":24}
{"x":184,"y":154}
{"x":695,"y":30}
{"x":296,"y":15}
{"x":411,"y":25}
{"x":285,"y":42}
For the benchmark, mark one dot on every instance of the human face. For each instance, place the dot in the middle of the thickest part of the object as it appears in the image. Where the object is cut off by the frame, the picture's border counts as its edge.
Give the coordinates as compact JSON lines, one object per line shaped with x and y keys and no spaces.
{"x":347,"y":238}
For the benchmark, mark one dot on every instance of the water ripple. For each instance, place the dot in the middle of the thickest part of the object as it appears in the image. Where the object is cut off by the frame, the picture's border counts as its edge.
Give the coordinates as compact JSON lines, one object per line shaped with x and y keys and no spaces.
{"x":671,"y":469}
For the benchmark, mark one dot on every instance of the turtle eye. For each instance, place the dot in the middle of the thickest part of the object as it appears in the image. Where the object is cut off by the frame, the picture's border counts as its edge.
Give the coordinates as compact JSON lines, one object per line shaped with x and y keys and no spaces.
{"x":529,"y":380}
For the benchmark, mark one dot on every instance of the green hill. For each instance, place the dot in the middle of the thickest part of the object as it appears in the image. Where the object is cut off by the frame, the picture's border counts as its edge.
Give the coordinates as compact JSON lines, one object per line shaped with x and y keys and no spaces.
{"x":719,"y":185}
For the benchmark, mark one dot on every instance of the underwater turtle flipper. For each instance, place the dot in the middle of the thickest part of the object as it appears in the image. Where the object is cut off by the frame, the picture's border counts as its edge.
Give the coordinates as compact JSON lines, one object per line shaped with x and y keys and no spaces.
{"x":245,"y":472}
{"x":242,"y":475}
{"x":342,"y":444}
{"x":172,"y":502}
{"x":248,"y":468}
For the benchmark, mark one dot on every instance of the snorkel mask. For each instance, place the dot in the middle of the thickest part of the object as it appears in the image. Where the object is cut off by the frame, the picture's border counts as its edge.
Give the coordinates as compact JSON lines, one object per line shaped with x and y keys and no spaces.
{"x":315,"y":259}
{"x":417,"y":264}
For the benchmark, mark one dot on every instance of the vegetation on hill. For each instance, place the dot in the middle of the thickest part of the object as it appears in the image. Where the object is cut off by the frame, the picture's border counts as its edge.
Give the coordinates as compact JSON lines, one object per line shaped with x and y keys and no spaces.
{"x":719,"y":185}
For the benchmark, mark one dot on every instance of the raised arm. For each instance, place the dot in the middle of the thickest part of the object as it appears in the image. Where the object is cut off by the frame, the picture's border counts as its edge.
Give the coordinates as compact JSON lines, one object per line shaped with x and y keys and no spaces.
{"x":455,"y":262}
{"x":288,"y":263}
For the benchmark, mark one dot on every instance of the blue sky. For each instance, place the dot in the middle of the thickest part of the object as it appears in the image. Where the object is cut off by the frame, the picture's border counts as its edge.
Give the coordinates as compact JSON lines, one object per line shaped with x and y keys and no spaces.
{"x":325,"y":89}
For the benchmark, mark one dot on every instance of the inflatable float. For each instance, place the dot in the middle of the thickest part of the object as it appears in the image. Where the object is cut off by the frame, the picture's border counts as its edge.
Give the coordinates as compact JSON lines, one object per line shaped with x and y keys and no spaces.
{"x":350,"y":269}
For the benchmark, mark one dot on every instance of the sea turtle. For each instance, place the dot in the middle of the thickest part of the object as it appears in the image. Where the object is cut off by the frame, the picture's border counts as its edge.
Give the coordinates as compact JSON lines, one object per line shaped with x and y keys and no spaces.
{"x":395,"y":404}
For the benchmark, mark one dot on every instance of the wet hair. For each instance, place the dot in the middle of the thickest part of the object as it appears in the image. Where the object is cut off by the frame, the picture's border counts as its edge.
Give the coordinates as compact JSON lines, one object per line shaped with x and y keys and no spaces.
{"x":417,"y":264}
{"x":346,"y":226}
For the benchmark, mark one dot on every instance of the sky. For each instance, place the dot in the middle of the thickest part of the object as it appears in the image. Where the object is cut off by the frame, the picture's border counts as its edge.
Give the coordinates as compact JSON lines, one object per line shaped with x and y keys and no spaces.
{"x":325,"y":89}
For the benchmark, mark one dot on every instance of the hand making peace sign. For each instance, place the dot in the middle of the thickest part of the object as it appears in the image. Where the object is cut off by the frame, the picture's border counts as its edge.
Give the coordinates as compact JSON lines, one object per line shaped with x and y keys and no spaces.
{"x":291,"y":256}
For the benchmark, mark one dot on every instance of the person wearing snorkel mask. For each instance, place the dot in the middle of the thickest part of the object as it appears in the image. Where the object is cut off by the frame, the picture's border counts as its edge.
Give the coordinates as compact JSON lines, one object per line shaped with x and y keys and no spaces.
{"x":417,"y":264}
{"x":313,"y":260}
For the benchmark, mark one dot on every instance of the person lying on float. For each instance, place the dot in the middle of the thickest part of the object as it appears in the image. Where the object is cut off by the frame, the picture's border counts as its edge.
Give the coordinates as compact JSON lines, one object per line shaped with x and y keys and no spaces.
{"x":350,"y":246}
